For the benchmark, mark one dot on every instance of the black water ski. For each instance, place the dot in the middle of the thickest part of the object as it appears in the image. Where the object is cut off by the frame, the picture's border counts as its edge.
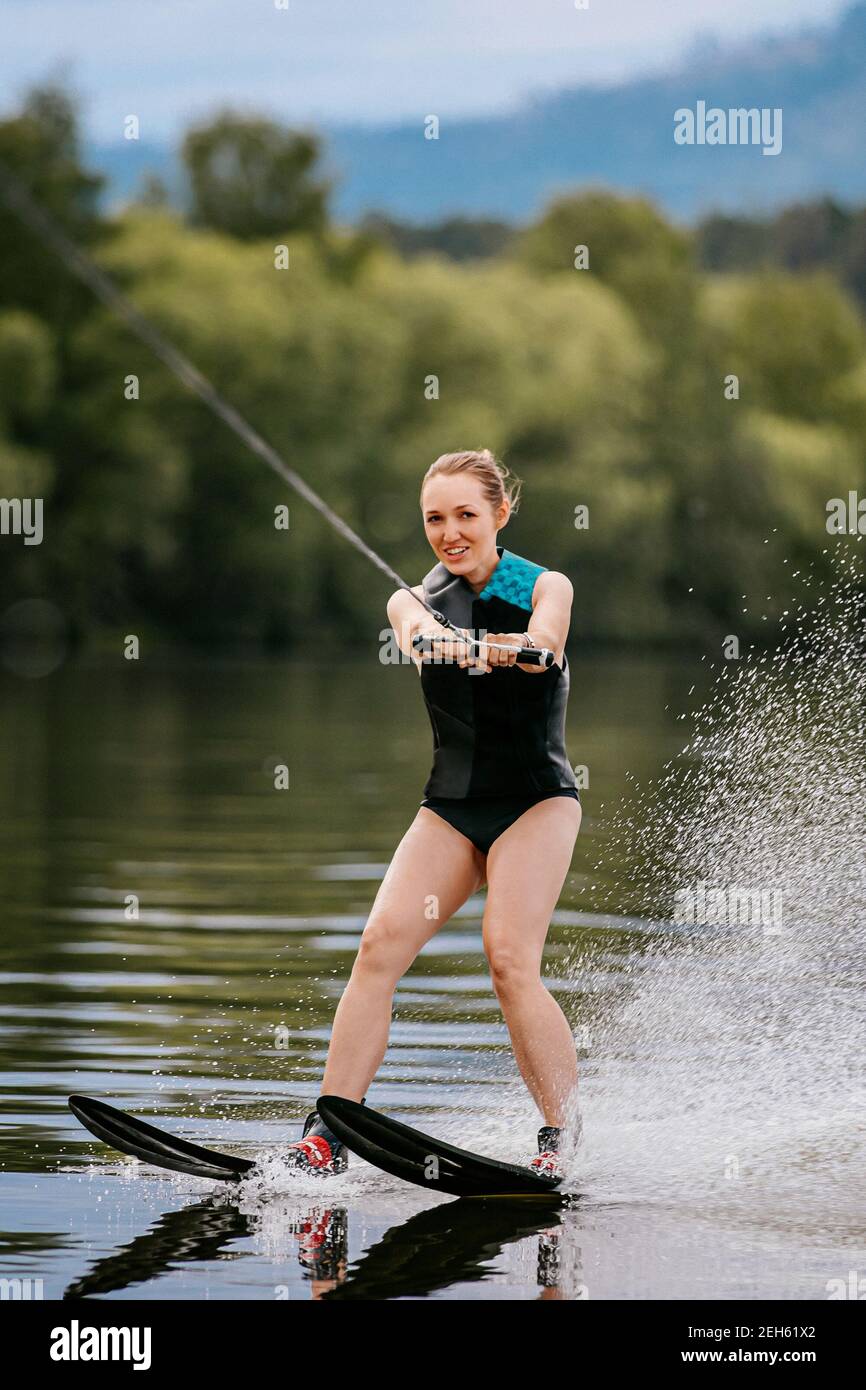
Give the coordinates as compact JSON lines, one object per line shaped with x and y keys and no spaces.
{"x":141,"y":1140}
{"x":419,"y":1158}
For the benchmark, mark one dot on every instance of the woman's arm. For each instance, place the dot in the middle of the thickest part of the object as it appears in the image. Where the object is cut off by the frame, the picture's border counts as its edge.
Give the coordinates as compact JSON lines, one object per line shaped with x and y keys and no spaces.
{"x":407,"y":618}
{"x":551,"y":613}
{"x":548,"y":626}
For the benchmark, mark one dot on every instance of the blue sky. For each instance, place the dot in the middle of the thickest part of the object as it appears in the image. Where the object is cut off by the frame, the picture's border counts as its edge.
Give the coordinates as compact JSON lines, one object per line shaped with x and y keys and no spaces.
{"x":354,"y":61}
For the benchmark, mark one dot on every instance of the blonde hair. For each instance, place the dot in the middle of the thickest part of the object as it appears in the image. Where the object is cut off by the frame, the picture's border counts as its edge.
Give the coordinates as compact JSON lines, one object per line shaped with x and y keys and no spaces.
{"x":497,"y":481}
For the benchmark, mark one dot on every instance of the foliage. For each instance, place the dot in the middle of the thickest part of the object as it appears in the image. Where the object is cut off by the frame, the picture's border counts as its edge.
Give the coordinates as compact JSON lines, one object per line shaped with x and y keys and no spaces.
{"x":603,"y":388}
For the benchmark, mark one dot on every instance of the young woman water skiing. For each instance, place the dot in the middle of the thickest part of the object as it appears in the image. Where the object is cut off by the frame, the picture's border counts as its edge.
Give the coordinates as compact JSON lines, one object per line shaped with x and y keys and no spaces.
{"x":500,"y":807}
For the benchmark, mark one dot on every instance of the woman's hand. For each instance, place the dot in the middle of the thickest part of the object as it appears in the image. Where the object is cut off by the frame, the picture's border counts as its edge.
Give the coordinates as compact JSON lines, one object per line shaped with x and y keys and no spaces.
{"x":486,"y":656}
{"x":446,"y":646}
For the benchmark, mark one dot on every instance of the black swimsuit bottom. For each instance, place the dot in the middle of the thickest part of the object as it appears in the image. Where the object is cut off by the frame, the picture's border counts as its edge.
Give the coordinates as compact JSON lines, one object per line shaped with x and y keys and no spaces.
{"x":482,"y":819}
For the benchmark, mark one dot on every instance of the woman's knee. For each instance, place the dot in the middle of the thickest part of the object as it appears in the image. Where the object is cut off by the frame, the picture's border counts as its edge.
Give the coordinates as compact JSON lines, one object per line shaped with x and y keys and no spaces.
{"x":382,"y":950}
{"x":511,"y":969}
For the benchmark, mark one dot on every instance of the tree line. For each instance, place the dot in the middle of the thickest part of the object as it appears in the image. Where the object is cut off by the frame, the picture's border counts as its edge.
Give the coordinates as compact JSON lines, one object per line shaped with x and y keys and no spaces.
{"x":680,"y":404}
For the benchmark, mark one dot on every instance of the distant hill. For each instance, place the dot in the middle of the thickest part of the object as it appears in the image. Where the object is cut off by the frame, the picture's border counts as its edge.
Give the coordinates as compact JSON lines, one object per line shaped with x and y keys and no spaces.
{"x":620,"y":136}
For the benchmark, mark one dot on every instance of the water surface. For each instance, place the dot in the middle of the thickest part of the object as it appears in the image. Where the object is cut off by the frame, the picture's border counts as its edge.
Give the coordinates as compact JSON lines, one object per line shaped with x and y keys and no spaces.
{"x":177,"y":933}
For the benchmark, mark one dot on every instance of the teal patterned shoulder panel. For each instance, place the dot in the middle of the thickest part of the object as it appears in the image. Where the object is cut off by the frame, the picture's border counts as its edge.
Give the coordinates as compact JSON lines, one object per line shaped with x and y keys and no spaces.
{"x":513,"y":580}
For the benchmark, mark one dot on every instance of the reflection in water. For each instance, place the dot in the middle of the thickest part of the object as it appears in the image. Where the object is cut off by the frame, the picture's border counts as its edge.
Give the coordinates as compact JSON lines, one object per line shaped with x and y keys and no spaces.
{"x":198,"y":1232}
{"x":454,"y":1242}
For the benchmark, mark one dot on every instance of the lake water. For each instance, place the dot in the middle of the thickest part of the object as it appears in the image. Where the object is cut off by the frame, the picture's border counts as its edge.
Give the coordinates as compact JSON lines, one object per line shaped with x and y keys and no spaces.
{"x":721,"y":1081}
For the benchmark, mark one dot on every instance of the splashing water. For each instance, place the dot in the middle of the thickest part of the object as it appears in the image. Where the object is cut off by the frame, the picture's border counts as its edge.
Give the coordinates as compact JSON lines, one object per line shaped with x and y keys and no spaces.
{"x":729,"y":1074}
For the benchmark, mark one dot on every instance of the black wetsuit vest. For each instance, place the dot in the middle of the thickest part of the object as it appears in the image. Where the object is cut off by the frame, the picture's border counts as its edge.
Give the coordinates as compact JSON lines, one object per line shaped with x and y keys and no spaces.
{"x":503,"y":732}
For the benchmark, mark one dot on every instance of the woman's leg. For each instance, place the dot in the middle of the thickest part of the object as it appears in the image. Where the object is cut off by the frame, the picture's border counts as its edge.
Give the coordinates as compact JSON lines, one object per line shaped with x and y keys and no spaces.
{"x":526,"y":868}
{"x":434,"y":870}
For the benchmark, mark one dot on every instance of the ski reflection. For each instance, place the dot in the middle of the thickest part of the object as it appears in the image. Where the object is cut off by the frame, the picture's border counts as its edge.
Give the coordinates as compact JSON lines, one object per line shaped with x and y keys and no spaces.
{"x":450,"y":1243}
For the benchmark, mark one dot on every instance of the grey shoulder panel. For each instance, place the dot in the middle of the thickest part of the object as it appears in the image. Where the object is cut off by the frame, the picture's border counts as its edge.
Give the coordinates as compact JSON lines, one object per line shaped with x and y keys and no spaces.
{"x":435,"y":581}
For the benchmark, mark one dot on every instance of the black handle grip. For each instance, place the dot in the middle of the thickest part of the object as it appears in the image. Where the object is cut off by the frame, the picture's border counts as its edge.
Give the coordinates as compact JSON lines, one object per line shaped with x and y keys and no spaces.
{"x":527,"y":656}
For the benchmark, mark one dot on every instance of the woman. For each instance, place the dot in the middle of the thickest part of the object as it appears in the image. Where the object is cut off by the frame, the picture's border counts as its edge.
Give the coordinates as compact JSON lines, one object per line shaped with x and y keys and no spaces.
{"x":500,"y":806}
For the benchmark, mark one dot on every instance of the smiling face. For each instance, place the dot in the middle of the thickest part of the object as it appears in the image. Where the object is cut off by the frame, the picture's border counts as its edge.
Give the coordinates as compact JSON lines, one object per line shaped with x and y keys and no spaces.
{"x":460,"y":523}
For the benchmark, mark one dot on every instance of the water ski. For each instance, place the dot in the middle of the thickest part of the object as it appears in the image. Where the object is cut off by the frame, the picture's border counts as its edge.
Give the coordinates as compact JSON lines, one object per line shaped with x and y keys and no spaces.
{"x":141,"y":1140}
{"x":419,"y":1158}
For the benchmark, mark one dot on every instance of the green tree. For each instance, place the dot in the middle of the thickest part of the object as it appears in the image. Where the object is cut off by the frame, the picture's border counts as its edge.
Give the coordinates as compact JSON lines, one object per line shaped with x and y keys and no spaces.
{"x":456,"y":238}
{"x":631,"y":247}
{"x":40,"y":146}
{"x":789,"y":338}
{"x":251,"y":178}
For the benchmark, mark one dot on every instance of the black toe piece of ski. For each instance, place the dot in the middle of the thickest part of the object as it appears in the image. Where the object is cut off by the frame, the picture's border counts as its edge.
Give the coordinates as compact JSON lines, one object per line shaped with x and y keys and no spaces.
{"x":152,"y":1145}
{"x":419,"y":1158}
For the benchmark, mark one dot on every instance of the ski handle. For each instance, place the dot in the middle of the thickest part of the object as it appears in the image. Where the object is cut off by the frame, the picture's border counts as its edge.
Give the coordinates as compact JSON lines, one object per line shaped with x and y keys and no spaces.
{"x":528,"y":656}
